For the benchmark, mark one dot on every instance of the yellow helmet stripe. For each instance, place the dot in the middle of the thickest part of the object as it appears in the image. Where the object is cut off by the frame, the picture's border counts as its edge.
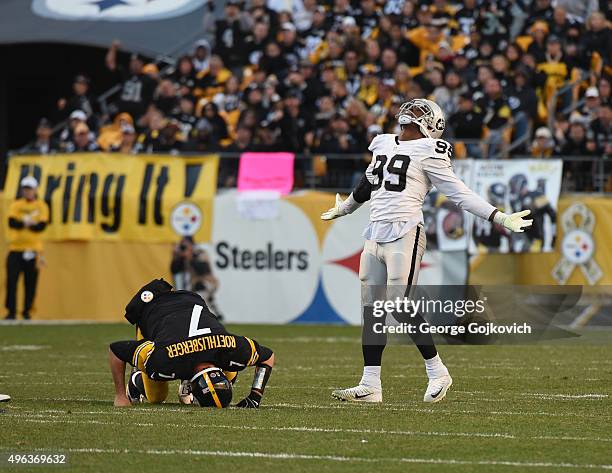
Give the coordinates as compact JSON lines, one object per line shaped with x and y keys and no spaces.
{"x":211,"y":388}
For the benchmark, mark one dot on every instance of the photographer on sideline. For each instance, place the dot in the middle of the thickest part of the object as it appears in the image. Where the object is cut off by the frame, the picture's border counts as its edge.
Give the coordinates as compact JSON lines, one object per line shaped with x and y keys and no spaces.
{"x":192,"y":271}
{"x":27,"y":218}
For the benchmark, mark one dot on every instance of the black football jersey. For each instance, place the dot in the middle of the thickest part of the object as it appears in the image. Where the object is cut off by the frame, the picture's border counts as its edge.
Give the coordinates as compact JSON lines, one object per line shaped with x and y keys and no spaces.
{"x":186,"y":334}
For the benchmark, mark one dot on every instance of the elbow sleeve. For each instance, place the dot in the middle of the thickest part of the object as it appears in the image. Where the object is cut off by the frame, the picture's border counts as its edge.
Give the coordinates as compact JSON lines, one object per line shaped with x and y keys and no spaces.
{"x":363,"y":191}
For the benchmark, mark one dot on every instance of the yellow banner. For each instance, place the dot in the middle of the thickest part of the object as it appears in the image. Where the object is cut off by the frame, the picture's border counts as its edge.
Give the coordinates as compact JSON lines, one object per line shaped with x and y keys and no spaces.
{"x":582,"y":254}
{"x":114,"y":197}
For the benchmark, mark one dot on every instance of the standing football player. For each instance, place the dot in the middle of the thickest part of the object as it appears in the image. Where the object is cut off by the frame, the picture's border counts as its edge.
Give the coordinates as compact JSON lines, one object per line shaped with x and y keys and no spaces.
{"x":403,"y":169}
{"x":183,"y":340}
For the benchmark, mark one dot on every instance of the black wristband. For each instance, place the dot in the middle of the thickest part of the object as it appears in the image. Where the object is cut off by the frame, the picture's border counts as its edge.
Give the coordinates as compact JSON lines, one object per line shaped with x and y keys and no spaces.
{"x":492,"y":216}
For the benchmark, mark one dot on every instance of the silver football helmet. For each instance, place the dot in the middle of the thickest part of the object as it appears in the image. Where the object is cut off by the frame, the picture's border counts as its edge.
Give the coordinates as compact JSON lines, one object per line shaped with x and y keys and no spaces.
{"x":427,"y":115}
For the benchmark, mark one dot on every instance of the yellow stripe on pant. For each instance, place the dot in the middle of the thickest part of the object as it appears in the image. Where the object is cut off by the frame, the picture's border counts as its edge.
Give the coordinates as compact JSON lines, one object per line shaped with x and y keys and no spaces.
{"x":155,"y":391}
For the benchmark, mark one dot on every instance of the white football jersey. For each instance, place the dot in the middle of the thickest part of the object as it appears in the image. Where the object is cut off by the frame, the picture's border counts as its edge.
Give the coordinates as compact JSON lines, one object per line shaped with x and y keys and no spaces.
{"x":402,"y":173}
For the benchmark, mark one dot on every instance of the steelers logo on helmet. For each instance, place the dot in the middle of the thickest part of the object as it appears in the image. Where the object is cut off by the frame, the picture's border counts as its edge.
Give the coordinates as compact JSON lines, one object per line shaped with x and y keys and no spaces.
{"x":146,"y":296}
{"x":211,"y":388}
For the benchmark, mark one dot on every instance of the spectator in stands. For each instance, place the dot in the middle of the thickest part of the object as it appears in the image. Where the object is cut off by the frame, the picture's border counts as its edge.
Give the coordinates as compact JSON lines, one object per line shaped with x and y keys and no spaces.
{"x":45,"y":143}
{"x":497,"y":116}
{"x":83,"y":140}
{"x":27,"y":218}
{"x":578,"y":172}
{"x":200,"y":140}
{"x":230,"y":34}
{"x":466,"y":124}
{"x":537,"y":48}
{"x":185,"y":116}
{"x":588,"y":112}
{"x":183,"y":77}
{"x":447,"y":95}
{"x":111,"y":136}
{"x":210,"y":113}
{"x":544,"y":145}
{"x":523,"y":101}
{"x":79,"y":101}
{"x":67,"y":134}
{"x":598,"y":36}
{"x":201,"y":55}
{"x":166,"y":97}
{"x":137,"y":88}
{"x":576,"y":142}
{"x":128,"y":141}
{"x":604,"y":90}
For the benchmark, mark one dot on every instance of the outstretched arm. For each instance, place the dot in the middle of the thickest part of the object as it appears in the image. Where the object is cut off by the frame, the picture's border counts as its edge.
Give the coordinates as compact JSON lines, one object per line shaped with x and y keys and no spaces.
{"x":441,"y":175}
{"x":360,"y":194}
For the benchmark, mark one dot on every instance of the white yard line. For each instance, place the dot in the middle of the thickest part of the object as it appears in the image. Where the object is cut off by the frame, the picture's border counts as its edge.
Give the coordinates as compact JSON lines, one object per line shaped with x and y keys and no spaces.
{"x":45,"y":419}
{"x":389,"y":407}
{"x":340,"y":458}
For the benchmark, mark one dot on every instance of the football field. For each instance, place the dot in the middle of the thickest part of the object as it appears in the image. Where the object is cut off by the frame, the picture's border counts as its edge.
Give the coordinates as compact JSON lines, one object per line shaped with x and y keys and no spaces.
{"x":540,"y":408}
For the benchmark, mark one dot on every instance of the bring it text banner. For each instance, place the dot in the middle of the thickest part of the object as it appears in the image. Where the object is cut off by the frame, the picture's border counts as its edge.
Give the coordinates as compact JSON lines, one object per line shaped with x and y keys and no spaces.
{"x":114,"y":197}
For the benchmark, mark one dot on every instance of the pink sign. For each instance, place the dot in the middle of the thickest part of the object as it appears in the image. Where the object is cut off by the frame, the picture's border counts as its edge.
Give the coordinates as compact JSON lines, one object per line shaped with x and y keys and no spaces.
{"x":266,"y":171}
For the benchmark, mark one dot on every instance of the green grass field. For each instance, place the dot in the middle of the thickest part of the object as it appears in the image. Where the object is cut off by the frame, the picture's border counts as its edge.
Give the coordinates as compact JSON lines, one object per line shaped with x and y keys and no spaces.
{"x":512,"y":408}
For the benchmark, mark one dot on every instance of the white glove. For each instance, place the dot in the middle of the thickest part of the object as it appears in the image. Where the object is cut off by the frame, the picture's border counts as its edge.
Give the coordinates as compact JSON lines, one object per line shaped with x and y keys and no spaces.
{"x":336,"y":211}
{"x":513,"y":222}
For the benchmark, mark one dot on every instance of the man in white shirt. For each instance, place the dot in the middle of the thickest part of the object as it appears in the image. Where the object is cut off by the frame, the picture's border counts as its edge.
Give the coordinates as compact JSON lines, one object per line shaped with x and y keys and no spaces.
{"x":403,"y":169}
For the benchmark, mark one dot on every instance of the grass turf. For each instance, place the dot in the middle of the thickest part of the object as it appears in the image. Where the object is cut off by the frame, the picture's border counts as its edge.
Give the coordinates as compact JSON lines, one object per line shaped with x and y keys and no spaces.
{"x":511,"y":408}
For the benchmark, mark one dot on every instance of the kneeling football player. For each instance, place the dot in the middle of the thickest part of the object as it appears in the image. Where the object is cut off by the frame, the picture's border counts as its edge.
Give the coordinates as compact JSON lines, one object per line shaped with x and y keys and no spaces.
{"x":182,"y":339}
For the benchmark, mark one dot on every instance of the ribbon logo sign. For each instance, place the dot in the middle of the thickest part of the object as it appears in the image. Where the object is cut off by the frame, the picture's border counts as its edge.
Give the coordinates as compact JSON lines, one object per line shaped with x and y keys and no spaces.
{"x":577,"y":247}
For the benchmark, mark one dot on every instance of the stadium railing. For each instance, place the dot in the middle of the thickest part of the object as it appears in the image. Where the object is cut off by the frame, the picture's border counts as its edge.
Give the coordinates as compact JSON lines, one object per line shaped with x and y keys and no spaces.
{"x":341,"y":172}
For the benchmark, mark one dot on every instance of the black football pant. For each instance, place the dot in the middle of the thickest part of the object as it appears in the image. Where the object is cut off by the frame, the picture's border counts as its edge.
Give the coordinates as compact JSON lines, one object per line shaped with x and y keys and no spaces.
{"x":15,"y":265}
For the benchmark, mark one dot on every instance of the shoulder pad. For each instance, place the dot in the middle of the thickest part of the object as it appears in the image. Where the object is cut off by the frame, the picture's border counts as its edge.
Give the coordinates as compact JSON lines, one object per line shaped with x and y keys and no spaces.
{"x":378,"y":140}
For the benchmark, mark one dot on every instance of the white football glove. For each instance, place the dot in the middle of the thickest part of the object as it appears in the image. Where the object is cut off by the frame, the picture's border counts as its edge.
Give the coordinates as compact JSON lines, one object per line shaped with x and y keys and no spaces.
{"x":513,"y":222}
{"x":336,"y":211}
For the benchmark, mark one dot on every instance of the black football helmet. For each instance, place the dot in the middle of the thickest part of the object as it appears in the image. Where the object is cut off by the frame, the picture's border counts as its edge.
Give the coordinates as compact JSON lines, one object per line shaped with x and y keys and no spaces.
{"x":211,"y":388}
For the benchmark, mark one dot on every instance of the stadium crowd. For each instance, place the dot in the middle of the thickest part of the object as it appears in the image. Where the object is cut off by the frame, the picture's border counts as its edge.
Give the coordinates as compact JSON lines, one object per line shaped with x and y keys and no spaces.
{"x":324,"y":77}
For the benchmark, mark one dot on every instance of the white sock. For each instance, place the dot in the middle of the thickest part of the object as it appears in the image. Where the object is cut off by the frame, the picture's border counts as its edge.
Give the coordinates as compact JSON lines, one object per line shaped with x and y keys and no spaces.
{"x":435,"y":368}
{"x":371,"y":377}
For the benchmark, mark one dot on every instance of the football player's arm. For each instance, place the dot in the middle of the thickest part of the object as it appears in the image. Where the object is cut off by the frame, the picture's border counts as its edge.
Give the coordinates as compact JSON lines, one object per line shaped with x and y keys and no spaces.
{"x":360,"y":194}
{"x":263,"y":369}
{"x":442,"y":176}
{"x":120,"y":353}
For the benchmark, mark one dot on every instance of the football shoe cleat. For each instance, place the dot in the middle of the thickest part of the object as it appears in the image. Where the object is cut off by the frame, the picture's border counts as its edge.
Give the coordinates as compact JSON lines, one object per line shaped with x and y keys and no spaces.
{"x":437,"y":387}
{"x":360,"y":393}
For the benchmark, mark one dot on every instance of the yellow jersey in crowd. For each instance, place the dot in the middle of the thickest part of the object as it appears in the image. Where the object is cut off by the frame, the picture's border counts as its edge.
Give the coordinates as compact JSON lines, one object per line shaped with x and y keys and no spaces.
{"x":23,"y":239}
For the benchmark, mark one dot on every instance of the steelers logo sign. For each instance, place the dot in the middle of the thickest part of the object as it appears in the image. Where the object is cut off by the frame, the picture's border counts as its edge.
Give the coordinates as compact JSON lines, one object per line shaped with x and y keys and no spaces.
{"x":146,"y":296}
{"x":186,"y":219}
{"x":114,"y":10}
{"x":578,"y":246}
